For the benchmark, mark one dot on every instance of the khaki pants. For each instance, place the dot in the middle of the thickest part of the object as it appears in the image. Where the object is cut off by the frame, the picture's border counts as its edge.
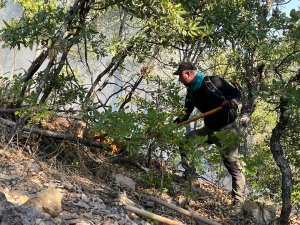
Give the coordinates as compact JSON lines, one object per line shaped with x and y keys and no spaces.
{"x":231,"y":158}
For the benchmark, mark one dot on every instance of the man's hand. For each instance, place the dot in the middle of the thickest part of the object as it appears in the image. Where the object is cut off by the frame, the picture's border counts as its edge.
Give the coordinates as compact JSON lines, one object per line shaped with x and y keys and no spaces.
{"x":228,"y":104}
{"x":234,"y":103}
{"x":177,"y":120}
{"x":181,"y":119}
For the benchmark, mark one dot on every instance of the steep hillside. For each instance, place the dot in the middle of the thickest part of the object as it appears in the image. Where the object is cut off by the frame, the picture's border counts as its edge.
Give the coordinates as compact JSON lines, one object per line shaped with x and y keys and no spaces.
{"x":96,"y":191}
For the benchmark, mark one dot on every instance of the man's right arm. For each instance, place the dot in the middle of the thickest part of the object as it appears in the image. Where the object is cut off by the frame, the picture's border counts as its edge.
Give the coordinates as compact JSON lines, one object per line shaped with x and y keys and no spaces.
{"x":189,"y":107}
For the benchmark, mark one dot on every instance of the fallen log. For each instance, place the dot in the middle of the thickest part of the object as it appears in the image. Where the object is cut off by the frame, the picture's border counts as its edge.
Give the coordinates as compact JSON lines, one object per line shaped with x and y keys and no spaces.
{"x":183,"y":211}
{"x":9,"y":111}
{"x":130,"y":160}
{"x":152,"y":215}
{"x":55,"y":135}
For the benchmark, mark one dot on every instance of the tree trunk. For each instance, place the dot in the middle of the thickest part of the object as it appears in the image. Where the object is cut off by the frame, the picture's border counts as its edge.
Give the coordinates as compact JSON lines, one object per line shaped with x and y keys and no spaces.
{"x":52,"y":77}
{"x":282,"y":163}
{"x":36,"y":64}
{"x":278,"y":155}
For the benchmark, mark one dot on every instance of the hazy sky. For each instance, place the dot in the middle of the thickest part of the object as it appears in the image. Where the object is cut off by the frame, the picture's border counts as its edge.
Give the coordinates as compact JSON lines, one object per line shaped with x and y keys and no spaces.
{"x":293,"y":4}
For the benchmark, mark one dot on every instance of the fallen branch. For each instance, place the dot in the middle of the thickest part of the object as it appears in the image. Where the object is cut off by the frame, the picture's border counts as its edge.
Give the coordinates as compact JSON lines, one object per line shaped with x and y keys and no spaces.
{"x":130,"y":160}
{"x":9,"y":111}
{"x":152,"y":215}
{"x":183,"y":211}
{"x":55,"y":135}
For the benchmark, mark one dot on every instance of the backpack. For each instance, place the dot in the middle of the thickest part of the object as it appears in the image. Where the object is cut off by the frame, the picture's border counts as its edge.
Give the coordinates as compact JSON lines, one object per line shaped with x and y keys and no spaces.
{"x":211,"y":87}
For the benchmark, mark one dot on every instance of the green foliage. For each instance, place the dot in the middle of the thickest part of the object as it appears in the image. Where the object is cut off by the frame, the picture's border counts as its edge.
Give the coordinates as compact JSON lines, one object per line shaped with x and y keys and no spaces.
{"x":296,"y":194}
{"x":188,"y":193}
{"x":40,"y":22}
{"x":261,"y":170}
{"x":135,"y":130}
{"x":169,"y":21}
{"x":198,"y":153}
{"x":228,"y":139}
{"x":3,"y":3}
{"x":34,"y":112}
{"x":262,"y":173}
{"x":263,"y":121}
{"x":10,"y":90}
{"x":160,"y":181}
{"x":121,"y":126}
{"x":291,"y":146}
{"x":67,"y":89}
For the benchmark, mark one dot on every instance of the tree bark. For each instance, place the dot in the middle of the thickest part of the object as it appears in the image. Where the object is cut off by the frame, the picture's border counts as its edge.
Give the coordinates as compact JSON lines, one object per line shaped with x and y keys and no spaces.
{"x":36,"y":64}
{"x":282,"y":163}
{"x":278,"y":154}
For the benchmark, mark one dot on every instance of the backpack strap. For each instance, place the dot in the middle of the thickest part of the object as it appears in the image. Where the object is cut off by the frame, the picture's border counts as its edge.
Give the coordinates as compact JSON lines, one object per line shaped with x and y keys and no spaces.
{"x":213,"y":88}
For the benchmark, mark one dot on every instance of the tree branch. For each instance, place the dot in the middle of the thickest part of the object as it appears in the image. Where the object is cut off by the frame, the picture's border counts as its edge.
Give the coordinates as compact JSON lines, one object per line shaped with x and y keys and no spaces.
{"x":55,"y":135}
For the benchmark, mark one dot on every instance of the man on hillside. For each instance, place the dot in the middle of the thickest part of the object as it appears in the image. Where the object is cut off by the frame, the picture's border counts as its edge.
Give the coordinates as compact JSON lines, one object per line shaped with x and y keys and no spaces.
{"x":207,"y":93}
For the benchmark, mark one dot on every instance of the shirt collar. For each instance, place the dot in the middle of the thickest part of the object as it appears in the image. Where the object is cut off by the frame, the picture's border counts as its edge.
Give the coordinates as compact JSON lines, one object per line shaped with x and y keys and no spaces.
{"x":196,"y":83}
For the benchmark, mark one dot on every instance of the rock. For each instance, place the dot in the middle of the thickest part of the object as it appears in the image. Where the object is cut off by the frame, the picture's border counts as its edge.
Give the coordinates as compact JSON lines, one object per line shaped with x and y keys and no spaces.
{"x":125,"y":181}
{"x":123,"y":221}
{"x":33,"y":167}
{"x":258,"y":213}
{"x":72,"y":221}
{"x":81,"y":204}
{"x":192,"y":203}
{"x":84,"y":197}
{"x":48,"y":201}
{"x":21,"y":215}
{"x":21,"y":199}
{"x":67,"y":185}
{"x":149,"y":204}
{"x":82,"y":222}
{"x":98,"y":204}
{"x":107,"y":222}
{"x":7,"y":177}
{"x":4,"y":204}
{"x":89,"y":215}
{"x":2,"y":197}
{"x":124,"y":200}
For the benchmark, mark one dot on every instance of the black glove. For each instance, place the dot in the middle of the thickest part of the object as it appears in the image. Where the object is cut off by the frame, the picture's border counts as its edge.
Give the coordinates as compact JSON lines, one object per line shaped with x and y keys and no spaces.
{"x":228,"y":104}
{"x":181,"y":119}
{"x":177,"y":120}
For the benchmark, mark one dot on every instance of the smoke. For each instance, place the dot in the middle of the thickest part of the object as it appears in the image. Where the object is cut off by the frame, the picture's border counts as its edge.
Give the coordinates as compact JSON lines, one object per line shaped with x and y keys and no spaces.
{"x":12,"y":61}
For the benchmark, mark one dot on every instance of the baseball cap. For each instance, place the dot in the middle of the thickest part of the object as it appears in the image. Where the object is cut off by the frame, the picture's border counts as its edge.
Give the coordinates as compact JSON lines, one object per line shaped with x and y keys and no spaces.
{"x":184,"y":66}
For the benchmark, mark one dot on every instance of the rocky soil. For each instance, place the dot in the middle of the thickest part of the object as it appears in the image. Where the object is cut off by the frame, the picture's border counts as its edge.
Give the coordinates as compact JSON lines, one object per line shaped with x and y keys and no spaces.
{"x":37,"y":190}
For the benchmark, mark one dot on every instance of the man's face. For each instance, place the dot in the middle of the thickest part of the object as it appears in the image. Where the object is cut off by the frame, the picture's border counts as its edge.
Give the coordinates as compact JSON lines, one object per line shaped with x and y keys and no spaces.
{"x":185,"y":77}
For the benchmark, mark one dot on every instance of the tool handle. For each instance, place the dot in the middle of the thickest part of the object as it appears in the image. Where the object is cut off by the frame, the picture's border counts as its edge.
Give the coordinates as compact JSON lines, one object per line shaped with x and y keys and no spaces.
{"x":201,"y":116}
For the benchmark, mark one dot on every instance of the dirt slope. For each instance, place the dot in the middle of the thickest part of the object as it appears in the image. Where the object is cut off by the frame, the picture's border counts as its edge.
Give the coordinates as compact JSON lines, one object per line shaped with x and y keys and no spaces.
{"x":95,"y":192}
